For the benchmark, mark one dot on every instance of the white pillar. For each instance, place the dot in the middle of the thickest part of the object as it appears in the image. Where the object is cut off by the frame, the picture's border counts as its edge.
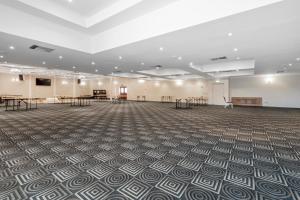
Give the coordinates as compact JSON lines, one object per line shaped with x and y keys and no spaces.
{"x":30,"y":86}
{"x":111,"y":90}
{"x":54,"y":87}
{"x":74,"y":86}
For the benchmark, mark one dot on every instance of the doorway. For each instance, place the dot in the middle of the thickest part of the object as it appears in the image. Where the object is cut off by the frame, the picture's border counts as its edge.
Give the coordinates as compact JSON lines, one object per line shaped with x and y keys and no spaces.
{"x":218,"y":94}
{"x":123,"y":92}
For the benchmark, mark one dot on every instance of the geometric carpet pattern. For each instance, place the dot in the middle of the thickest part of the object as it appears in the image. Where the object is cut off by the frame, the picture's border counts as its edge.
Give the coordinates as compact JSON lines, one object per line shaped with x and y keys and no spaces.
{"x":149,"y":151}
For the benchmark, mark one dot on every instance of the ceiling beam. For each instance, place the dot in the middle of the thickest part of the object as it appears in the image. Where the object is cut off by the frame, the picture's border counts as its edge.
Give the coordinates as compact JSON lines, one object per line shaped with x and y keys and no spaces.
{"x":176,"y":16}
{"x":110,"y":11}
{"x":56,"y":10}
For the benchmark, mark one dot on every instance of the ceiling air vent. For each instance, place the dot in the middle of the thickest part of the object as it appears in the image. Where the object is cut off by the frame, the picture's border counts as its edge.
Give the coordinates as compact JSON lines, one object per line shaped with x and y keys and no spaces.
{"x":157,"y":66}
{"x":219,"y":58}
{"x":41,"y":49}
{"x":280,"y":71}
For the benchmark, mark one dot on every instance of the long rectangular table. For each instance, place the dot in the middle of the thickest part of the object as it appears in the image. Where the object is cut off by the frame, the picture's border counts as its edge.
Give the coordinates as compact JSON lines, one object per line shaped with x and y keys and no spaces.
{"x":16,"y":104}
{"x":183,"y":103}
{"x":81,"y":101}
{"x":199,"y":101}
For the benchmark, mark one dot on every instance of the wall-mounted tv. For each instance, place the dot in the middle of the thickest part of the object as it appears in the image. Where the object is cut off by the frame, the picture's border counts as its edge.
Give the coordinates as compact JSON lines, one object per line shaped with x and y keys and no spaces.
{"x":43,"y":82}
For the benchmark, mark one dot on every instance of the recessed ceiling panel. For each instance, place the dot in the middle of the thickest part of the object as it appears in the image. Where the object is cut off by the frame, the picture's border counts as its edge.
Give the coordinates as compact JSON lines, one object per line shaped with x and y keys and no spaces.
{"x":226,"y":66}
{"x":164,"y":72}
{"x":86,"y":7}
{"x":129,"y":75}
{"x":232,"y":73}
{"x":185,"y":77}
{"x":154,"y":79}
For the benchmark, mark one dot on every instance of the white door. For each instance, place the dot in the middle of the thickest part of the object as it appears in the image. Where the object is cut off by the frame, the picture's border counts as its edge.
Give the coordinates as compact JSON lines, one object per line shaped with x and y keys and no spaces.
{"x":218,"y":94}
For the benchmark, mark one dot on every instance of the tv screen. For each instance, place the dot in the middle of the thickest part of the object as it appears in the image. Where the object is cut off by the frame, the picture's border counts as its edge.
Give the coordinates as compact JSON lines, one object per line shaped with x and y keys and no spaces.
{"x":43,"y":82}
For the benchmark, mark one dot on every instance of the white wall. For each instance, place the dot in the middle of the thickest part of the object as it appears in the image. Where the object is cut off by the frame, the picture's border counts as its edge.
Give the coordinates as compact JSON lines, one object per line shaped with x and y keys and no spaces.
{"x":283,"y":92}
{"x":28,"y":88}
{"x":218,"y":91}
{"x":153,"y":92}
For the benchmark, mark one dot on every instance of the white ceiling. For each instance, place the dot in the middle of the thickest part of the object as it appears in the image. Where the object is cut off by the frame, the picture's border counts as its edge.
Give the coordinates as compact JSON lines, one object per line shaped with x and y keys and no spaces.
{"x":164,"y":72}
{"x":225,"y":66}
{"x":270,"y":35}
{"x":129,"y":75}
{"x":91,"y":16}
{"x":43,"y":71}
{"x":87,"y":7}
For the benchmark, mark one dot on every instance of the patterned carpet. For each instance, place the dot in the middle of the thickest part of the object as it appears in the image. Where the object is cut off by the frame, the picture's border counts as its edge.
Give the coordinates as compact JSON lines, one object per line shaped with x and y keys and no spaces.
{"x":149,"y":151}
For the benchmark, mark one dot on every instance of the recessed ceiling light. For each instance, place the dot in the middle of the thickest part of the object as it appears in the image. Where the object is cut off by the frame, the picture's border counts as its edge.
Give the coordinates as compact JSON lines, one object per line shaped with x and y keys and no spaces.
{"x":74,"y":67}
{"x":218,"y":81}
{"x":131,"y":71}
{"x":179,"y":58}
{"x":298,"y":59}
{"x":120,"y":57}
{"x":116,"y":67}
{"x":235,"y":49}
{"x":44,"y":63}
{"x":60,"y":57}
{"x":1,"y":56}
{"x":93,"y":63}
{"x":96,"y":70}
{"x":191,"y":64}
{"x":290,"y":64}
{"x":12,"y":48}
{"x":230,"y":34}
{"x":161,"y":48}
{"x":142,"y":63}
{"x":70,"y":1}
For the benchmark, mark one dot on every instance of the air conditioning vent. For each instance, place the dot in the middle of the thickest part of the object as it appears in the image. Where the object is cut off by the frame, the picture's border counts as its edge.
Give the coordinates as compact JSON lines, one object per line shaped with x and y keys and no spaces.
{"x":219,"y":58}
{"x":280,"y":71}
{"x":116,"y":72}
{"x":157,"y":66}
{"x":41,"y":49}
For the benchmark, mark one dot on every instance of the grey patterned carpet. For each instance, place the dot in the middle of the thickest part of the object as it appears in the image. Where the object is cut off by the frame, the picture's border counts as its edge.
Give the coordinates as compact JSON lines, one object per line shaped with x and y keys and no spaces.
{"x":149,"y":151}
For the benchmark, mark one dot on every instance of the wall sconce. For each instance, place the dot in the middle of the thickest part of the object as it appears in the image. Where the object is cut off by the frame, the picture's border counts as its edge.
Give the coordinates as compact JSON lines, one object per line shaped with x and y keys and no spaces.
{"x":179,"y":82}
{"x":269,"y":79}
{"x":141,"y":81}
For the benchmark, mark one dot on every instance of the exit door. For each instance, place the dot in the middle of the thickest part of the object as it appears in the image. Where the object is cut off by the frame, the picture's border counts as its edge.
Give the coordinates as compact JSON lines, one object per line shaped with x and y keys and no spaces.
{"x":218,"y":94}
{"x":123,"y":92}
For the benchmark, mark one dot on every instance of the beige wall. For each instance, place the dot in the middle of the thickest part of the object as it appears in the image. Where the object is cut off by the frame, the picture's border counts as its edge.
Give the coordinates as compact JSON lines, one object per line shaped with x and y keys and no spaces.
{"x":13,"y":88}
{"x":153,"y":92}
{"x":28,"y":88}
{"x":283,"y":92}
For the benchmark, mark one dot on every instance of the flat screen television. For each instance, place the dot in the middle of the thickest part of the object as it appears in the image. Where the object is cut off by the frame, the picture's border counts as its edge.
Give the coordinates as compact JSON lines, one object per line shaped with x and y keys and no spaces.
{"x":43,"y":82}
